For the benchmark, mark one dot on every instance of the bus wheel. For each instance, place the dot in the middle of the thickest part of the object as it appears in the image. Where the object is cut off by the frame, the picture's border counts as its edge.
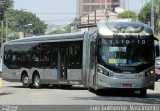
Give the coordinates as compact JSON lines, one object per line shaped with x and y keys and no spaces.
{"x":91,"y":90}
{"x":65,"y":86}
{"x":143,"y":92}
{"x":25,"y":80}
{"x":98,"y":92}
{"x":36,"y":81}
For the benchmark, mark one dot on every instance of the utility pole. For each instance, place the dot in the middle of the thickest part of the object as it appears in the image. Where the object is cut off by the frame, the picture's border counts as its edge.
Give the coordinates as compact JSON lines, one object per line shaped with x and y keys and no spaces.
{"x":2,"y":8}
{"x":106,"y":10}
{"x":152,"y":16}
{"x":6,"y":29}
{"x":1,"y":19}
{"x":1,"y":38}
{"x":128,"y":10}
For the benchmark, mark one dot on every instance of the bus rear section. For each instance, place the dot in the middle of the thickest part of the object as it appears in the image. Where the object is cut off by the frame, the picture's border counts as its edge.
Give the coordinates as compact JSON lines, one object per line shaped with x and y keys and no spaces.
{"x":44,"y":60}
{"x":125,"y":58}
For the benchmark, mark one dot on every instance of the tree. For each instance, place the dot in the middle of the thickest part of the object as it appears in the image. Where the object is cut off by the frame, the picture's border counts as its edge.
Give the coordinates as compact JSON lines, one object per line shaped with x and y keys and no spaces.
{"x":145,"y":14}
{"x":4,"y":6}
{"x":21,"y":18}
{"x":66,"y":29}
{"x":128,"y":14}
{"x":58,"y":31}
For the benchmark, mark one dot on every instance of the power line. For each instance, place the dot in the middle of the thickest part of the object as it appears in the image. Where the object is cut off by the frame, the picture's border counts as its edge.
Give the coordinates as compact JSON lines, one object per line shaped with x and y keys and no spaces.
{"x":58,"y":20}
{"x":58,"y":13}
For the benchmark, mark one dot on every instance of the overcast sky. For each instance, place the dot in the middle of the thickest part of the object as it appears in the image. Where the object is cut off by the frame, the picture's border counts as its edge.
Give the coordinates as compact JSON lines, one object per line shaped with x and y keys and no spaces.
{"x":60,"y":11}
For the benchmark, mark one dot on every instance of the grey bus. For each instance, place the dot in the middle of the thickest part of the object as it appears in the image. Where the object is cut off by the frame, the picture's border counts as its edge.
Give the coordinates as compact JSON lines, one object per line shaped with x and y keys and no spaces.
{"x":118,"y":55}
{"x":46,"y":59}
{"x":122,"y":56}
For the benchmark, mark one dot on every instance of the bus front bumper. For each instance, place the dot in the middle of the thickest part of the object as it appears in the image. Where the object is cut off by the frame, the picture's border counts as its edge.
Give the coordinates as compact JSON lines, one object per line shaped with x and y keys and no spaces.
{"x":104,"y":82}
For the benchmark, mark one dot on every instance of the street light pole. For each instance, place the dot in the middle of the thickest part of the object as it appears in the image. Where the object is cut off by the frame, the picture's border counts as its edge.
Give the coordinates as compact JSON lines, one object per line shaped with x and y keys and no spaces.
{"x":25,"y":26}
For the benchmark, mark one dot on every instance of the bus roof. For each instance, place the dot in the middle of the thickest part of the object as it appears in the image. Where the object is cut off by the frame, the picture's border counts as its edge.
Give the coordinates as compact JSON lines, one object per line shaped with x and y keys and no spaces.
{"x":124,"y":28}
{"x":49,"y":38}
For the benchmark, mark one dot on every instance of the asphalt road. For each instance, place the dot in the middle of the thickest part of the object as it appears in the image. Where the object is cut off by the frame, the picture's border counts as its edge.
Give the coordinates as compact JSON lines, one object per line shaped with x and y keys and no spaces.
{"x":14,"y":94}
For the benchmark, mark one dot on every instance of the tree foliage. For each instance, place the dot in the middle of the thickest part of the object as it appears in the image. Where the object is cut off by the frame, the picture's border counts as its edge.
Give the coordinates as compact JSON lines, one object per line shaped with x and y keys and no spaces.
{"x":145,"y":14}
{"x":127,"y":14}
{"x":21,"y":18}
{"x":66,"y":29}
{"x":5,"y":4}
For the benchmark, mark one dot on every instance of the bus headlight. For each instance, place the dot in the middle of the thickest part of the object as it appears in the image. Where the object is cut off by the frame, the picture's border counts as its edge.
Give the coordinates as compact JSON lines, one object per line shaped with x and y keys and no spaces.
{"x":150,"y":72}
{"x":103,"y":71}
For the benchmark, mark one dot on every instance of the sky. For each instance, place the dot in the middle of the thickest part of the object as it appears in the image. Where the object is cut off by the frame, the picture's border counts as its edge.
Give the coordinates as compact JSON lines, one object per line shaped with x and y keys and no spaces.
{"x":51,"y":11}
{"x":61,"y":12}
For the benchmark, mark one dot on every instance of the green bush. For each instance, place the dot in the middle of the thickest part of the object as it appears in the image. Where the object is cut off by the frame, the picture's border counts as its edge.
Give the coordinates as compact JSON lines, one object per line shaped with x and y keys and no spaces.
{"x":126,"y":13}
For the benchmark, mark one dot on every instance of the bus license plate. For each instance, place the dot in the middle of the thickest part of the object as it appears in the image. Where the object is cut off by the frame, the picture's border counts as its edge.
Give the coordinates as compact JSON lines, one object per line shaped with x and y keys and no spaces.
{"x":126,"y":85}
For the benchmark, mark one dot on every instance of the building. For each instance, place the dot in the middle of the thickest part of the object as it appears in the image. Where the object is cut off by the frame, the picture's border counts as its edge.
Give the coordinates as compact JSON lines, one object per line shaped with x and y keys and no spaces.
{"x":123,"y":4}
{"x":100,"y":18}
{"x":88,"y":6}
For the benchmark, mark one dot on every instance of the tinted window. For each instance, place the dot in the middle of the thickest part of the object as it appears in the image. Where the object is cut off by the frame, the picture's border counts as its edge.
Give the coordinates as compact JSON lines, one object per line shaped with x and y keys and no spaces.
{"x":45,"y":55}
{"x":75,"y":55}
{"x":12,"y":56}
{"x":54,"y":56}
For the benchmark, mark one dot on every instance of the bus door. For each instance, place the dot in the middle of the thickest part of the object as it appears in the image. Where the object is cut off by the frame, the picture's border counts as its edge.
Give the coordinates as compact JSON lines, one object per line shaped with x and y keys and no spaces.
{"x":63,"y":53}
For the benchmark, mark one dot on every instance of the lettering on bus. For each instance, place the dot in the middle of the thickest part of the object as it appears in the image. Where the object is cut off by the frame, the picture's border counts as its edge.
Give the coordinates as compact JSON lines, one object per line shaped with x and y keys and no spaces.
{"x":130,"y":41}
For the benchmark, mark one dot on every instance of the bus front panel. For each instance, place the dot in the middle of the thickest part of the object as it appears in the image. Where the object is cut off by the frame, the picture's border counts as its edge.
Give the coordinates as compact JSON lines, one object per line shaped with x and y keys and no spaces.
{"x":125,"y":62}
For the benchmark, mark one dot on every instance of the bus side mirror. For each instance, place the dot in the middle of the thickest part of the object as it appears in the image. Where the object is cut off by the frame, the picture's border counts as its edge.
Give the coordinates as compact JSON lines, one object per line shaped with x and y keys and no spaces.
{"x":157,"y":51}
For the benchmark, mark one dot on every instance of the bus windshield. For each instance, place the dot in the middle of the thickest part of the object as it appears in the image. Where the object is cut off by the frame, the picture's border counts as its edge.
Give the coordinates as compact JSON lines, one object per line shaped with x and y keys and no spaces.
{"x":126,"y":54}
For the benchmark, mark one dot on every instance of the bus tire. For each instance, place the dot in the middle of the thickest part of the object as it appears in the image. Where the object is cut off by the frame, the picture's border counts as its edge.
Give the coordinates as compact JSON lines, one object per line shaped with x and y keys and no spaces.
{"x":65,"y":86}
{"x":25,"y":80}
{"x":98,"y":92}
{"x":143,"y":92}
{"x":36,"y":81}
{"x":91,"y":90}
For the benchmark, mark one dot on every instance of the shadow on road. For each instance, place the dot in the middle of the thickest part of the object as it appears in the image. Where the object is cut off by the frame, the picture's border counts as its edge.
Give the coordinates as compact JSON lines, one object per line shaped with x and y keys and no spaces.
{"x":3,"y":94}
{"x":54,"y":87}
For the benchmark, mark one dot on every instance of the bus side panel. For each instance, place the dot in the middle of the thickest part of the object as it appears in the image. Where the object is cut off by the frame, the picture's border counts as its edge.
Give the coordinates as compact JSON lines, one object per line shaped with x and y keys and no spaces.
{"x":85,"y":61}
{"x":10,"y":74}
{"x":74,"y":74}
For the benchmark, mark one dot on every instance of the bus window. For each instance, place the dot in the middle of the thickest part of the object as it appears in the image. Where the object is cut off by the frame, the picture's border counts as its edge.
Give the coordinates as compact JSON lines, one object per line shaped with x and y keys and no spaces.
{"x":54,"y":56}
{"x":13,"y":54}
{"x":45,"y":55}
{"x":7,"y":56}
{"x":27,"y":55}
{"x":35,"y":55}
{"x":75,"y":55}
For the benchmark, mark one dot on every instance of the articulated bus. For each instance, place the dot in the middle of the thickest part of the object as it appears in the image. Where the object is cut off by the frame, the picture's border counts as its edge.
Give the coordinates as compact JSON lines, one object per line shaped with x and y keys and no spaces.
{"x":119,"y":55}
